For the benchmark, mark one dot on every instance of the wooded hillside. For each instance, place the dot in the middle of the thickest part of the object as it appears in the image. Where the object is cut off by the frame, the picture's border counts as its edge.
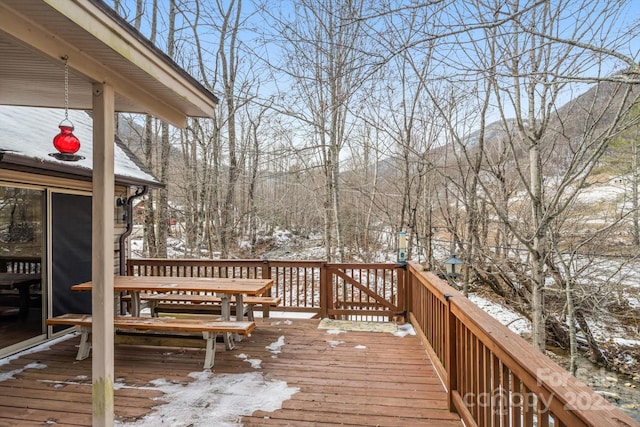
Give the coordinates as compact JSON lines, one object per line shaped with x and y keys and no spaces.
{"x":459,"y":122}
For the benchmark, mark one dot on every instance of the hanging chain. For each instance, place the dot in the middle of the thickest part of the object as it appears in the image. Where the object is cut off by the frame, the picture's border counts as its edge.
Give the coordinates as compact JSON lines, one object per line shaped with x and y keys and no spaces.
{"x":66,"y":87}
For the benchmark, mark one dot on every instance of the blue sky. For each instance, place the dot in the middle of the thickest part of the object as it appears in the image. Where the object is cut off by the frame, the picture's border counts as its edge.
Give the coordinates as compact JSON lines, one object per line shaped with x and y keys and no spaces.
{"x":254,"y":52}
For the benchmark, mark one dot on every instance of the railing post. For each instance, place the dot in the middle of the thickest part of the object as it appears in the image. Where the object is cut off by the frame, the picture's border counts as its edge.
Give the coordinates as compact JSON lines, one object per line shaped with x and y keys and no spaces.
{"x":324,"y":291}
{"x":266,"y":274}
{"x":404,"y":277}
{"x":451,"y":363}
{"x":266,"y":269}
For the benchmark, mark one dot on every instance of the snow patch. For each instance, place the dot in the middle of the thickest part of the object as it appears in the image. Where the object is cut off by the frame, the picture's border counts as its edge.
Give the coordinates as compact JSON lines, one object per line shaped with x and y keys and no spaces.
{"x":255,"y":363}
{"x":276,"y":347}
{"x":507,"y":317}
{"x":219,"y":400}
{"x":626,"y":342}
{"x":633,"y":302}
{"x":404,"y":330}
{"x":41,"y":347}
{"x":10,"y":375}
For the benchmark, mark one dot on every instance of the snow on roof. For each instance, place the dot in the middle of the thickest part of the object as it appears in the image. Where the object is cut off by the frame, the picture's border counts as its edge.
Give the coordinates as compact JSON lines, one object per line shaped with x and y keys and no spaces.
{"x":29,"y":132}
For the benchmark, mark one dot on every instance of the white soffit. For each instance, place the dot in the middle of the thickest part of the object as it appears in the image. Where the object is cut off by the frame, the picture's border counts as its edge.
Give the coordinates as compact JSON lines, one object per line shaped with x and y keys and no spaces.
{"x":101,"y":48}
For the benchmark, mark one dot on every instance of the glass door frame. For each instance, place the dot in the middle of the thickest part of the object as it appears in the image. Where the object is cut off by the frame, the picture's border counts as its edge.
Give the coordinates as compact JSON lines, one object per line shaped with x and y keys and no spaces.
{"x":44,"y":269}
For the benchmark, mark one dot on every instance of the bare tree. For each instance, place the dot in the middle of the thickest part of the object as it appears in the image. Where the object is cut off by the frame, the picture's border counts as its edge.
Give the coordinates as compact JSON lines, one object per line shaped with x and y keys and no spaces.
{"x":150,"y":239}
{"x":623,"y":159}
{"x":530,"y":60}
{"x":228,"y":57}
{"x":324,"y":55}
{"x":165,"y":152}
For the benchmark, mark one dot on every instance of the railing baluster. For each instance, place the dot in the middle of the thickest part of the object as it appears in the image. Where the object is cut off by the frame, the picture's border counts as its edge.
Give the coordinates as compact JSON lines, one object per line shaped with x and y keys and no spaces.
{"x":496,"y":394}
{"x":517,"y":397}
{"x":529,"y":406}
{"x":504,"y":402}
{"x":542,"y":414}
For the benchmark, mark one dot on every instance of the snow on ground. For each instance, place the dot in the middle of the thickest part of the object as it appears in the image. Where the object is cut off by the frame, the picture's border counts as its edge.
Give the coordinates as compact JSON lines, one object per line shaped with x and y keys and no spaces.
{"x":41,"y":347}
{"x":626,"y":342}
{"x":507,"y":317}
{"x":606,"y":332}
{"x":614,"y":337}
{"x":255,"y":363}
{"x":9,"y":375}
{"x":404,"y":330}
{"x":276,"y":347}
{"x":136,"y":246}
{"x":214,"y":400}
{"x":601,"y":193}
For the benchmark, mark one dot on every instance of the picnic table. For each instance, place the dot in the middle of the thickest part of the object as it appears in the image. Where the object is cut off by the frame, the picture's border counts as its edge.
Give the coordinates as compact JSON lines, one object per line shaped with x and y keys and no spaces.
{"x":216,"y":288}
{"x":224,"y":287}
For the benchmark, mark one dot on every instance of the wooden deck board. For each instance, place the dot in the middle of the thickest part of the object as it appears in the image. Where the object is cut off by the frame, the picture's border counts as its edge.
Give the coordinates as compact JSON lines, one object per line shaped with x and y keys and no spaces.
{"x":387,"y":381}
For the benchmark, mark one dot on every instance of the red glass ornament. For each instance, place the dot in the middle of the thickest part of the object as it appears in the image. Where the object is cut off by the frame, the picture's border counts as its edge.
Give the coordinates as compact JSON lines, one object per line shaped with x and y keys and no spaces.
{"x":66,"y":142}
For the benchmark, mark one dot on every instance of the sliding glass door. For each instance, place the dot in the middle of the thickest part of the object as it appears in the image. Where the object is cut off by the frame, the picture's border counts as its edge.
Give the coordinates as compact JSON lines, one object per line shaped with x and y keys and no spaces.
{"x":22,"y":242}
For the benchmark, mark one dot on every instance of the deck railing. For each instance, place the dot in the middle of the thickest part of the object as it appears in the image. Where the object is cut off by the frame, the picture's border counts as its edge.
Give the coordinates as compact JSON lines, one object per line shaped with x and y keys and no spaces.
{"x":355,"y":291}
{"x":492,"y":375}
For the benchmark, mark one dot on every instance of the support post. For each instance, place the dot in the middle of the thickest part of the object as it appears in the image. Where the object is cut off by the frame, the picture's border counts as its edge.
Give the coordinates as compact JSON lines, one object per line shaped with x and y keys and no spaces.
{"x":102,"y":265}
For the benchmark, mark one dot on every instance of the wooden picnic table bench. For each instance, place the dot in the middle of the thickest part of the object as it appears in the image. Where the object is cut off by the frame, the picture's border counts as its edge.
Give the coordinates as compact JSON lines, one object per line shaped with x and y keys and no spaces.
{"x":209,"y":329}
{"x":201,"y":304}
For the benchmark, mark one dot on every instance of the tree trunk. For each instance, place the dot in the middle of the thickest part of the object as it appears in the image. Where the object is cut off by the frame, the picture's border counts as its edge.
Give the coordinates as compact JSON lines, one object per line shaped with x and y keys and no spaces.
{"x":335,"y":198}
{"x":538,"y":252}
{"x":165,"y":152}
{"x":150,"y":242}
{"x":597,"y":356}
{"x":163,"y":194}
{"x":635,"y":203}
{"x":229,"y":65}
{"x":571,"y":320}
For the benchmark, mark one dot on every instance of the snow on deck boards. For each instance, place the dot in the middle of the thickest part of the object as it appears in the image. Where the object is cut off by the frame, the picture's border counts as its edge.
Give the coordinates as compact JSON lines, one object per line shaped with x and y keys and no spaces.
{"x":324,"y":378}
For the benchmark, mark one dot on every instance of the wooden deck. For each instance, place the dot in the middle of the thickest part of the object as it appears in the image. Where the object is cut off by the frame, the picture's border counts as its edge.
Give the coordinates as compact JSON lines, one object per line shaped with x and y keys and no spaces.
{"x":354,"y":378}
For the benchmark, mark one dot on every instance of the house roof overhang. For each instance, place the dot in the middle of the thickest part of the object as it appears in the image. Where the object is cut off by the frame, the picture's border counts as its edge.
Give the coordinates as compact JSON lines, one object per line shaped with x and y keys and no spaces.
{"x":16,"y":162}
{"x":101,"y":47}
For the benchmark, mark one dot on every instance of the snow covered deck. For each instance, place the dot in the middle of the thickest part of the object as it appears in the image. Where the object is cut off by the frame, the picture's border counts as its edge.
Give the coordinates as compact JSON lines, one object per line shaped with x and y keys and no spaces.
{"x":289,"y":372}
